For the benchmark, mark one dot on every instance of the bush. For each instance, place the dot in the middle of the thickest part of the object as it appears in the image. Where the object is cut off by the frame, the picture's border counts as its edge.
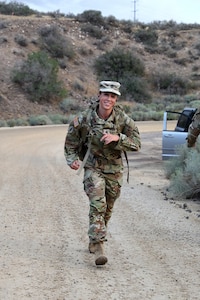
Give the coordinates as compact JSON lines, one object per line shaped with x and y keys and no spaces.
{"x":39,"y":120}
{"x":93,"y":31}
{"x":121,"y":65}
{"x":112,"y":21}
{"x":3,"y":24}
{"x":135,"y":89}
{"x":3,"y":123}
{"x":3,"y":39}
{"x":17,"y":122}
{"x":68,"y":105}
{"x":170,"y":83}
{"x":147,"y":36}
{"x":117,"y":63}
{"x":181,"y":61}
{"x":55,"y":43}
{"x":183,"y":172}
{"x":37,"y":76}
{"x":127,"y":26}
{"x":58,"y":119}
{"x":93,"y":17}
{"x":21,"y":40}
{"x":15,"y":8}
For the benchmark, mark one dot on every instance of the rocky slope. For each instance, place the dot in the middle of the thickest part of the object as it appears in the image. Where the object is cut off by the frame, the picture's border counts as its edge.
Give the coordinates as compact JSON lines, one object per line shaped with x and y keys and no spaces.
{"x":79,"y":71}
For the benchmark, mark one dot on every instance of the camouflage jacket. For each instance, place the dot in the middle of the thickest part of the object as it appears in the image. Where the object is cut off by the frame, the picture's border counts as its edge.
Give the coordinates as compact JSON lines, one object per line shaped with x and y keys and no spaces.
{"x":194,"y":129}
{"x":87,"y":128}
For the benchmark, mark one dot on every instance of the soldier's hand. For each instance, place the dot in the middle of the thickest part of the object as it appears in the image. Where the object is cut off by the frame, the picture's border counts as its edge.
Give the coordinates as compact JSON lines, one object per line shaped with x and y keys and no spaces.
{"x":75,"y":165}
{"x":108,"y":138}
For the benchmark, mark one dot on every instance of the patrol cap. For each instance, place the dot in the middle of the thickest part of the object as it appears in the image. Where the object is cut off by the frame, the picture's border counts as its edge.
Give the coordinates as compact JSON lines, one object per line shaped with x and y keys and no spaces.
{"x":110,"y":86}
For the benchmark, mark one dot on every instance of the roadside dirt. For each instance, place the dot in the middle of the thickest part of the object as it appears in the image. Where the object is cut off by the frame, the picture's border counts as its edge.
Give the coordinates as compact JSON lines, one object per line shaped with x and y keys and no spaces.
{"x":153,"y":243}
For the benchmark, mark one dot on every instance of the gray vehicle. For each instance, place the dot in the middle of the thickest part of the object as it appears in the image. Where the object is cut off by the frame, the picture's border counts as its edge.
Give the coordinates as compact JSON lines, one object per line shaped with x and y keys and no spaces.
{"x":177,"y":136}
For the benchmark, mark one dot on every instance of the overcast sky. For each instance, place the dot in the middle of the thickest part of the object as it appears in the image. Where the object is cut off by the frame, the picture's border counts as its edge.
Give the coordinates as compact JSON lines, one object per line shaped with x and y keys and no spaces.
{"x":142,"y":10}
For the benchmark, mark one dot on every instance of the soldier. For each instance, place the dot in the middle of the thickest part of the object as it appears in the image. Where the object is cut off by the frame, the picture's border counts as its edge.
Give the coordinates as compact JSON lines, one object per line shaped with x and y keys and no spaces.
{"x":102,"y":132}
{"x":194,"y":129}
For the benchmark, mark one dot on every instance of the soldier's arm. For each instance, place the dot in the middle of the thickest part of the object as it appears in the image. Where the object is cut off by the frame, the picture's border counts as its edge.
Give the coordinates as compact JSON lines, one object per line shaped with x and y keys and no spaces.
{"x":129,"y":138}
{"x":194,"y":130}
{"x":192,"y":136}
{"x":72,"y":142}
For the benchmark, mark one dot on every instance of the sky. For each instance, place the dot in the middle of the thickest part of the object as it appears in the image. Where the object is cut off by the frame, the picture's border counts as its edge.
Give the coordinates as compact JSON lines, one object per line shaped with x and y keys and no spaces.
{"x":145,"y":11}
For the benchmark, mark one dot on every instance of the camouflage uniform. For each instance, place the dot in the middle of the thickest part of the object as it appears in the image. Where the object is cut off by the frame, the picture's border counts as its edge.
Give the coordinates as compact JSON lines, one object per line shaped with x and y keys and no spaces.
{"x":103,"y":170}
{"x":194,"y":129}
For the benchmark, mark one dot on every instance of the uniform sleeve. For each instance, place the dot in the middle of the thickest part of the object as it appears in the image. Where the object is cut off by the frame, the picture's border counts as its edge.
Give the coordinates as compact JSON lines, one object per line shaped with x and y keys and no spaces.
{"x":129,"y":138}
{"x":194,"y":130}
{"x":72,"y":141}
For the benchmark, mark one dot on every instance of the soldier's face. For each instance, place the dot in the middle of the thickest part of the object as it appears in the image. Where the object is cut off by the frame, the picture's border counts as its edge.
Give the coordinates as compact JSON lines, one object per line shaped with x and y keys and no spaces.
{"x":107,"y":100}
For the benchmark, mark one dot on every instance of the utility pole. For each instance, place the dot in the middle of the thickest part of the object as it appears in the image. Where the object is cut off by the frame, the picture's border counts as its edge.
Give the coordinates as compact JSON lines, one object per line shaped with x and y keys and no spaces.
{"x":134,"y":10}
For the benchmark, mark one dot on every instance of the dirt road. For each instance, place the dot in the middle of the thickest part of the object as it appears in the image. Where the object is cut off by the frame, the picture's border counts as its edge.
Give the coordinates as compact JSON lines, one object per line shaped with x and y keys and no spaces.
{"x":153,"y":246}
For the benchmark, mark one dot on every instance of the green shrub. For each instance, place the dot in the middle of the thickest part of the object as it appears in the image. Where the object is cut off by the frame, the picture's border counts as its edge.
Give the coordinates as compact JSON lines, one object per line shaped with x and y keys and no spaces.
{"x":146,"y":115}
{"x":67,"y":105}
{"x":11,"y":122}
{"x":153,"y":49}
{"x":171,"y":54}
{"x":122,"y":65}
{"x":195,"y":103}
{"x":183,"y":172}
{"x":93,"y":17}
{"x":55,"y":43}
{"x":146,"y":36}
{"x":181,"y":61}
{"x":112,"y":21}
{"x":15,"y":8}
{"x":117,"y":63}
{"x":197,"y":46}
{"x":135,"y":89}
{"x":92,"y":30}
{"x":56,"y":14}
{"x":3,"y":39}
{"x":3,"y":123}
{"x":85,"y":51}
{"x":37,"y":76}
{"x":77,"y":86}
{"x":58,"y":119}
{"x":127,"y":26}
{"x":21,"y":40}
{"x":17,"y":122}
{"x":195,"y":68}
{"x":3,"y":24}
{"x":101,"y":44}
{"x":39,"y":120}
{"x":169,"y":83}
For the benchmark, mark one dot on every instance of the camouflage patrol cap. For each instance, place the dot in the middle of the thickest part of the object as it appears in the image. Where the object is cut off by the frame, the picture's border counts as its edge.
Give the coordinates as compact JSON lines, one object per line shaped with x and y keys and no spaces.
{"x":110,"y":86}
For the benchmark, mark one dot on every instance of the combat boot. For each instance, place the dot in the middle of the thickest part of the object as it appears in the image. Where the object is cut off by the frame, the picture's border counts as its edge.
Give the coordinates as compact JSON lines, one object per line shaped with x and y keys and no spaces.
{"x":92,"y":247}
{"x":100,"y":258}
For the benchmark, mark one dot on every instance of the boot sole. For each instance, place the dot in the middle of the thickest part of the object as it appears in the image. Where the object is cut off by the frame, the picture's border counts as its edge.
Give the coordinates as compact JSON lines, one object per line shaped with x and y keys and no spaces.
{"x":101,"y":260}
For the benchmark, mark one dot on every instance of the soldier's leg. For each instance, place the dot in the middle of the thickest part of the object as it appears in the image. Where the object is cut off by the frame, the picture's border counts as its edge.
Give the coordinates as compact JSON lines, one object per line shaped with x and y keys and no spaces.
{"x":113,"y":189}
{"x":109,"y":209}
{"x":94,"y":186}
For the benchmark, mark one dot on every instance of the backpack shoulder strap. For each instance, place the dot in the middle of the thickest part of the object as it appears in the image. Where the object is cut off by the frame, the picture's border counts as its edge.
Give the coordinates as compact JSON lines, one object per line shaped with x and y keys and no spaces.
{"x":88,"y":120}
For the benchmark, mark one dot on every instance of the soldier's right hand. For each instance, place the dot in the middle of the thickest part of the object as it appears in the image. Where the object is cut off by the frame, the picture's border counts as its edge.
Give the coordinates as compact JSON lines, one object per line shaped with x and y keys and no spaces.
{"x":75,"y":165}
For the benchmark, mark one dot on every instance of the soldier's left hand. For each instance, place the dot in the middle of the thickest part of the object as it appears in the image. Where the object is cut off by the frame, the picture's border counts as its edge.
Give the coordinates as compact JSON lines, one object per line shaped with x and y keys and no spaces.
{"x":108,"y":138}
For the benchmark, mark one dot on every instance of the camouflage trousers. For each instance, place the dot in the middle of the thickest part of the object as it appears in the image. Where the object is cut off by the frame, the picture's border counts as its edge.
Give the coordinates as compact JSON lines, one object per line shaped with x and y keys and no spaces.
{"x":102,"y":190}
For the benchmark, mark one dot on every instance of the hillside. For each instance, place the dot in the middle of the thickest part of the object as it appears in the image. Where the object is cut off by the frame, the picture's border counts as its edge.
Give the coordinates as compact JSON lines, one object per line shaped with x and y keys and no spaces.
{"x":177,"y":52}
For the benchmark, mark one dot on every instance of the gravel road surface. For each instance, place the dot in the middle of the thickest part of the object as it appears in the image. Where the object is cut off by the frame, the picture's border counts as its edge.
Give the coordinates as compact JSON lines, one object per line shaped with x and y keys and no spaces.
{"x":153,"y":245}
